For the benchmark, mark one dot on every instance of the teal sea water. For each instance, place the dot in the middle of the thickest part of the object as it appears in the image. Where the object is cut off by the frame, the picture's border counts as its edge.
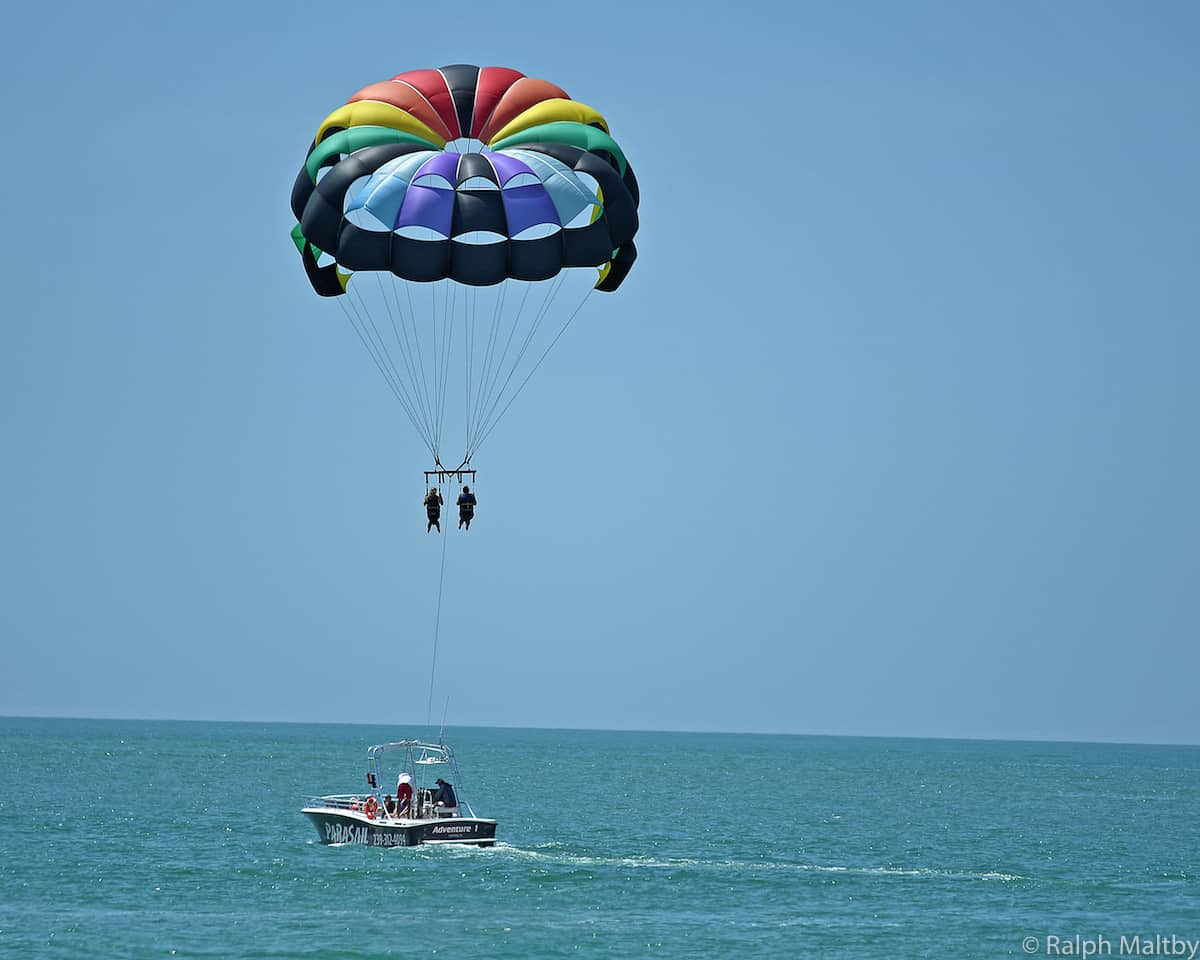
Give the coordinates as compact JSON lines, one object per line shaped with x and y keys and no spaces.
{"x":159,"y":839}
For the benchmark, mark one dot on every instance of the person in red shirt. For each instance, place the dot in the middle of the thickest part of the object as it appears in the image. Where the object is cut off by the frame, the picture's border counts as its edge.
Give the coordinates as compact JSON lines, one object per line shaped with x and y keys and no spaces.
{"x":404,"y":793}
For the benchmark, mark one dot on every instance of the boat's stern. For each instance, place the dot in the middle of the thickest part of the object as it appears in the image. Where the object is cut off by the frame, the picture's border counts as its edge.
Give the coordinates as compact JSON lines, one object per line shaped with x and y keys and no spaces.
{"x":346,"y":819}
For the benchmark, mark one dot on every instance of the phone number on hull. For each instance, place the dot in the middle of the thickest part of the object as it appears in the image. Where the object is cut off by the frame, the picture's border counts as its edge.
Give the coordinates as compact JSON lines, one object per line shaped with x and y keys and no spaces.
{"x":342,"y":833}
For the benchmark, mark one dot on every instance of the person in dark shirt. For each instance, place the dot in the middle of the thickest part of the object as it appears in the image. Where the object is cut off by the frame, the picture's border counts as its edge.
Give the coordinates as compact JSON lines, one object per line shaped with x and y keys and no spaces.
{"x":444,"y":797}
{"x":466,"y":507}
{"x":433,"y":509}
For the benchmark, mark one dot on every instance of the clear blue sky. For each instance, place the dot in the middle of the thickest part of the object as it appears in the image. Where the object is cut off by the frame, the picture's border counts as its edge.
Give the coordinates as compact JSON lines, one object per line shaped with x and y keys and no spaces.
{"x":892,"y":429}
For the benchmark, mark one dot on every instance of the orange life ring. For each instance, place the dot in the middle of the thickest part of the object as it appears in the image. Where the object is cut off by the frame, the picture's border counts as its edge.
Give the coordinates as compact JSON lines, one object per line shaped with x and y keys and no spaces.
{"x":371,"y":807}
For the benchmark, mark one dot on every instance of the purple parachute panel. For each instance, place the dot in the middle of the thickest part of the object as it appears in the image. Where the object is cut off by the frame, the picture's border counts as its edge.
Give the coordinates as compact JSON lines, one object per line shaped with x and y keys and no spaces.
{"x":431,"y":206}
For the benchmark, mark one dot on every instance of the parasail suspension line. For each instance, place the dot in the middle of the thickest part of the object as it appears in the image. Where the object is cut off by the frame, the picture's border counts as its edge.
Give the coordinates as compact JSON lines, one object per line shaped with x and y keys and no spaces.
{"x":543,"y":311}
{"x":405,"y":354}
{"x":403,"y":341}
{"x":394,"y":384}
{"x":493,"y":397}
{"x":492,"y":421}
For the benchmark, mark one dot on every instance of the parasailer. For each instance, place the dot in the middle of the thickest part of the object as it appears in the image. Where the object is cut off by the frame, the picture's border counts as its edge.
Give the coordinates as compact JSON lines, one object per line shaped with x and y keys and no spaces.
{"x":451,"y":213}
{"x":466,"y":507}
{"x":433,"y":509}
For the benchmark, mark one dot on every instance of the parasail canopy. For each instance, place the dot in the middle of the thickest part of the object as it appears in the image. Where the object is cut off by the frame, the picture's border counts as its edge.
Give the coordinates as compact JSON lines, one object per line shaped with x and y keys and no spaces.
{"x":476,"y":177}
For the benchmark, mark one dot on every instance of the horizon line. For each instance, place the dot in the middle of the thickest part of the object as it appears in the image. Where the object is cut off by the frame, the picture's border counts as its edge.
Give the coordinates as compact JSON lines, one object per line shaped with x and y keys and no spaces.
{"x":713,"y":732}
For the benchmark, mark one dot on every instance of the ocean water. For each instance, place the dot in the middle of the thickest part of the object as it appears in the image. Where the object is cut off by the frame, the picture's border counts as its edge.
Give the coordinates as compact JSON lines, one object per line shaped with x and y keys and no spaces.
{"x":162,"y":839}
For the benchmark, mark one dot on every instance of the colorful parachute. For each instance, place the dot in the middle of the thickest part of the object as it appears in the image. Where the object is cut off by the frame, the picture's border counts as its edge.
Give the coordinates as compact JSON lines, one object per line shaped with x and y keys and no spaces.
{"x":467,"y":173}
{"x":455,"y":185}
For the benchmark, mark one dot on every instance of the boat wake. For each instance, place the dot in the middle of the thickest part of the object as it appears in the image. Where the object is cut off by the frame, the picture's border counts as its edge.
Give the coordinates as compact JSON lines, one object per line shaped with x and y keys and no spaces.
{"x":556,"y":854}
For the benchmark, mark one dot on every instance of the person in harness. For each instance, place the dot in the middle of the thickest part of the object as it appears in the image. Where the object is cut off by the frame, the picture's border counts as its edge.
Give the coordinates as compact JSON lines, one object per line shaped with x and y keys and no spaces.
{"x":466,"y":507}
{"x":433,"y":509}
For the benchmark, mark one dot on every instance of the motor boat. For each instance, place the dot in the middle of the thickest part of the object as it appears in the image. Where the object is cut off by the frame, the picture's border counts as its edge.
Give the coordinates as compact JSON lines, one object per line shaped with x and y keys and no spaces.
{"x":423,"y":809}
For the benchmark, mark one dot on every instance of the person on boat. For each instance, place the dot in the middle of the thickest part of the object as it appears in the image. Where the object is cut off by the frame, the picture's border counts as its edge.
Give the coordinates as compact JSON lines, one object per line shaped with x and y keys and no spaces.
{"x":445,"y":795}
{"x":433,"y":509}
{"x":466,"y":507}
{"x":404,"y":794}
{"x":389,"y":805}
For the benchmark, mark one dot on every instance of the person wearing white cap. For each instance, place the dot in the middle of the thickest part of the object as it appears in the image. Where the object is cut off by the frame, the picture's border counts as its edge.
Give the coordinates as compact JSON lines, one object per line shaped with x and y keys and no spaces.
{"x":404,"y":794}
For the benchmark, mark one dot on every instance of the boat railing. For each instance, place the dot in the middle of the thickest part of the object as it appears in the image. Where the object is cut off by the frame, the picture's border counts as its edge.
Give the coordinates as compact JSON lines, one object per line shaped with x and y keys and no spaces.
{"x":341,"y":801}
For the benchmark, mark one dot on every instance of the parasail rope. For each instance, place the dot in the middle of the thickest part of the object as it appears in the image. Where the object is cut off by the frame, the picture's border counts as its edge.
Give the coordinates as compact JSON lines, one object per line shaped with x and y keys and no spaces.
{"x":437,"y":623}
